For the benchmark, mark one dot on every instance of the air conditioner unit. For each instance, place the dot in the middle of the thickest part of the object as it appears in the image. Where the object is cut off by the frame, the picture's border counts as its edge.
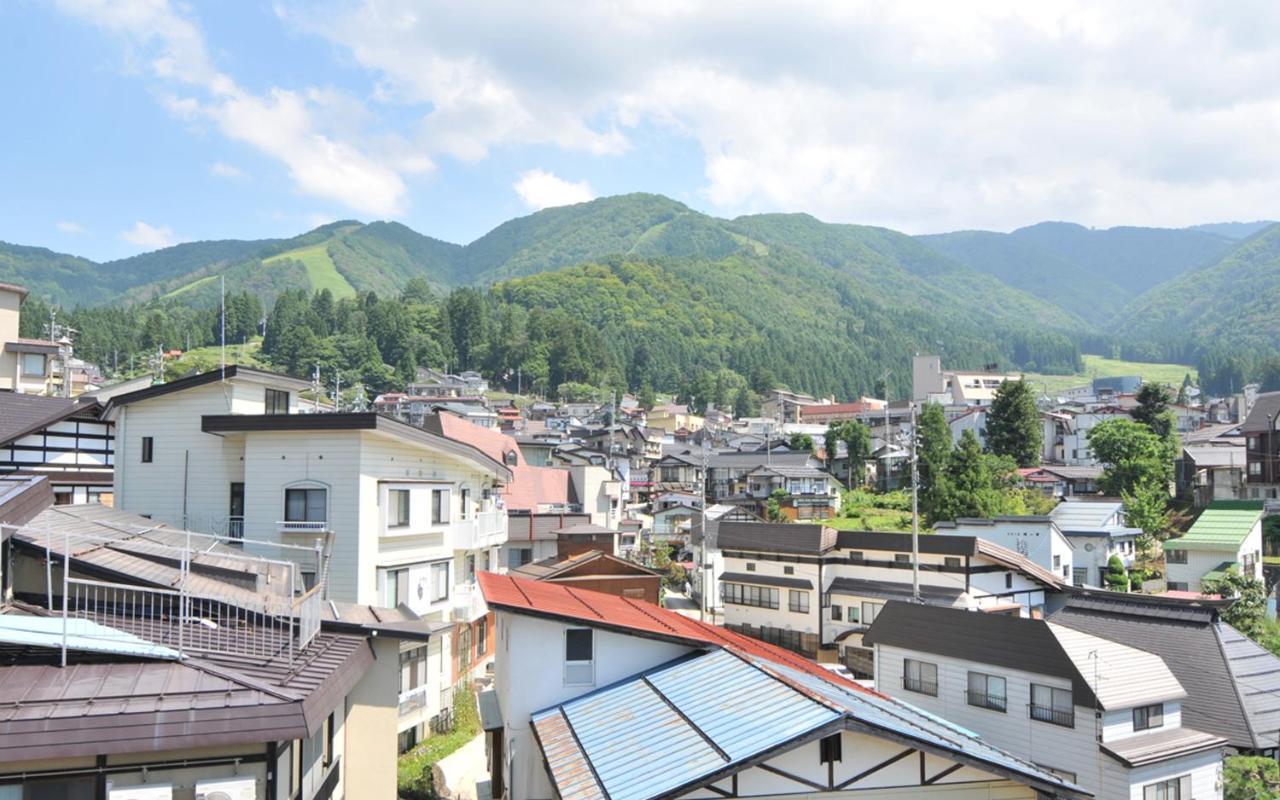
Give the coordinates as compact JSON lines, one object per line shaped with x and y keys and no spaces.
{"x":242,"y":788}
{"x":149,"y":791}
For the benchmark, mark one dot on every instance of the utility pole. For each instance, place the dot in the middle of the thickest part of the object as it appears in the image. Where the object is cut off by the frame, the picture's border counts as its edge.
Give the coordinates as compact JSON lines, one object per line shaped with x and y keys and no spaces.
{"x":915,"y":512}
{"x":315,"y":390}
{"x":705,"y":600}
{"x":337,"y":391}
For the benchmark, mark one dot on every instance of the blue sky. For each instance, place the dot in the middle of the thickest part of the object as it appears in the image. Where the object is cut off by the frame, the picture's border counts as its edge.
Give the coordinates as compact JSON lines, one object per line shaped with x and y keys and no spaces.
{"x":137,"y":123}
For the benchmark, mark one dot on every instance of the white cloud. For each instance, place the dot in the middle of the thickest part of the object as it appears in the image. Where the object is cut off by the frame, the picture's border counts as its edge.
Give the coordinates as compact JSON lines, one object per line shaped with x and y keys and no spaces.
{"x":539,"y":189}
{"x":296,"y":128}
{"x":921,"y":116}
{"x":149,"y":237}
{"x":75,"y":228}
{"x":223,"y":170}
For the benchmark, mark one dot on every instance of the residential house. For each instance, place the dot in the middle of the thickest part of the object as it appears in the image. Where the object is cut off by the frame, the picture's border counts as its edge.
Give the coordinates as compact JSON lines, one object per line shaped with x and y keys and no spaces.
{"x":598,"y":697}
{"x":671,"y":417}
{"x":814,"y":590}
{"x":579,"y":538}
{"x":408,"y":515}
{"x":1228,"y":533}
{"x":1262,"y":447}
{"x":1206,"y":473}
{"x":827,"y":413}
{"x":531,"y":536}
{"x":1037,"y":538}
{"x":1232,"y":683}
{"x":678,"y":472}
{"x":1075,"y":440}
{"x":26,"y":365}
{"x":727,"y":470}
{"x":1100,"y":713}
{"x":806,"y":491}
{"x":893,"y":467}
{"x":931,"y":383}
{"x":782,"y":405}
{"x":108,"y":692}
{"x":704,"y":579}
{"x":1063,"y":481}
{"x":441,"y":384}
{"x":597,"y":571}
{"x":673,"y":512}
{"x":61,"y":437}
{"x":1096,"y":531}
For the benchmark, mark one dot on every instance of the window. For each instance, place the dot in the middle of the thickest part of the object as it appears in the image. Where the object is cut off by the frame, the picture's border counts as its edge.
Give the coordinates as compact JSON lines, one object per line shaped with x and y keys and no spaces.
{"x":798,"y":601}
{"x":829,"y":750}
{"x":920,"y":676}
{"x":395,"y":587}
{"x":856,"y":557}
{"x":851,"y":613}
{"x":519,"y":556}
{"x":788,"y":570}
{"x":277,"y":402}
{"x":869,"y":612}
{"x":579,"y":657}
{"x":951,"y":562}
{"x":1178,"y":586}
{"x":397,"y":508}
{"x":1050,"y":704}
{"x":413,"y":669}
{"x":836,"y":613}
{"x":482,"y":636}
{"x":1057,"y":562}
{"x":439,"y":506}
{"x":1008,"y":580}
{"x":148,"y":451}
{"x":464,"y":647}
{"x":439,"y":581}
{"x":751,"y":567}
{"x":33,"y":365}
{"x":328,"y":740}
{"x":758,"y":596}
{"x":1175,"y":556}
{"x":464,"y":500}
{"x":987,"y":691}
{"x":1172,"y":789}
{"x":1255,"y":467}
{"x":295,"y":767}
{"x":306,"y":505}
{"x":902,"y":558}
{"x":1147,"y":717}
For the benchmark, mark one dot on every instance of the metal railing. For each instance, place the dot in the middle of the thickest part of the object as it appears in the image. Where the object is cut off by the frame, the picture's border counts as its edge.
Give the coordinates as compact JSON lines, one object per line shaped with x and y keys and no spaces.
{"x":414,"y":700}
{"x":994,"y":702}
{"x":920,"y":686}
{"x":303,"y":526}
{"x":1066,"y":719}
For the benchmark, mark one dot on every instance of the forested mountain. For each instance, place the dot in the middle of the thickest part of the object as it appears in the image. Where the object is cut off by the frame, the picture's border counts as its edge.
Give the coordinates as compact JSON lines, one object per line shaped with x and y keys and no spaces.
{"x":1232,"y":305}
{"x":1234,"y":230}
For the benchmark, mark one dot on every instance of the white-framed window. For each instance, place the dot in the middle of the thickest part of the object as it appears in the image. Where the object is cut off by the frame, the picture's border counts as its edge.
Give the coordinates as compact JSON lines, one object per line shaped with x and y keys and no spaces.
{"x":395,"y":587}
{"x":464,"y":503}
{"x":987,"y":691}
{"x":439,"y":581}
{"x":798,"y":601}
{"x":306,"y":504}
{"x":869,"y":612}
{"x":439,"y":506}
{"x":397,"y":508}
{"x":579,"y":657}
{"x":1051,"y":704}
{"x":519,"y":556}
{"x":1173,"y":789}
{"x":920,"y":676}
{"x":276,"y":401}
{"x":34,"y":365}
{"x":1147,"y":717}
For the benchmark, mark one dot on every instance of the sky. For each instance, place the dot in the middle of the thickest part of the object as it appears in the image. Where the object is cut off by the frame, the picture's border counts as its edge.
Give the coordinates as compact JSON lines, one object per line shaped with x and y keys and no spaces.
{"x":131,"y":125}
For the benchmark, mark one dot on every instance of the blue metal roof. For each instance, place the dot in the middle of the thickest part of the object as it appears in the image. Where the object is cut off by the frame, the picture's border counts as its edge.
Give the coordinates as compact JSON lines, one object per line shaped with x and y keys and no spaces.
{"x":82,"y":635}
{"x":696,"y":716}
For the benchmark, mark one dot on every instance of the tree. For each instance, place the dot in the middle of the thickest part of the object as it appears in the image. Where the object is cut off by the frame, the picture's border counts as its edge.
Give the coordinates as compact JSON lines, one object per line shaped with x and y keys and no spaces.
{"x":800,"y":442}
{"x":1153,"y":400}
{"x":933,"y":454}
{"x":1184,"y":393}
{"x":1117,"y":577}
{"x":1251,"y":778}
{"x":1013,"y":424}
{"x":1131,"y":454}
{"x":857,"y":445}
{"x":971,"y":483}
{"x":1147,"y":508}
{"x":830,"y":442}
{"x":773,"y":506}
{"x":1248,"y":612}
{"x":647,"y":398}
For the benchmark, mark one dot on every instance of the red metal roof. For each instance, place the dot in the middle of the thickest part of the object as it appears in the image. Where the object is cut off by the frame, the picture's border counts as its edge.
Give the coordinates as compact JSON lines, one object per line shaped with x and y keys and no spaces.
{"x":530,"y":487}
{"x":606,"y":610}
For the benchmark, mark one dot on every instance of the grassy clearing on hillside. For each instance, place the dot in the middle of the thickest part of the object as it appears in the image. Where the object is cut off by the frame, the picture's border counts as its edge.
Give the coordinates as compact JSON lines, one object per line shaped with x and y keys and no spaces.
{"x":1099,"y":367}
{"x":321,"y":270}
{"x":204,"y":359}
{"x":181,"y":290}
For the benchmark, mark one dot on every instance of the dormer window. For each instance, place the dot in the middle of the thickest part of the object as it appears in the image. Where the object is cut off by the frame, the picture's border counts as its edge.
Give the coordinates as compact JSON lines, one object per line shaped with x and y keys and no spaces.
{"x":1147,"y":717}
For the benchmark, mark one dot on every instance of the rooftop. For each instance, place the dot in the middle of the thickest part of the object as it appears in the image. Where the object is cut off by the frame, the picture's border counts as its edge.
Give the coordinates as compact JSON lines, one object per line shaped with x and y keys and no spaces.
{"x":1223,"y":525}
{"x":1266,"y":410}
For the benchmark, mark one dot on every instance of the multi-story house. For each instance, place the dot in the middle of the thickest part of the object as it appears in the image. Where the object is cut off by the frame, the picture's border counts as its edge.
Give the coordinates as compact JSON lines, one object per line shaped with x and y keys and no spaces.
{"x":678,"y":472}
{"x":60,"y":437}
{"x":1262,"y":447}
{"x":598,"y":696}
{"x":1227,"y":534}
{"x":406,"y":515}
{"x":1096,"y":531}
{"x":815,"y":590}
{"x":1038,"y":538}
{"x":727,"y":470}
{"x":807,"y":492}
{"x":26,"y":365}
{"x":1100,"y":713}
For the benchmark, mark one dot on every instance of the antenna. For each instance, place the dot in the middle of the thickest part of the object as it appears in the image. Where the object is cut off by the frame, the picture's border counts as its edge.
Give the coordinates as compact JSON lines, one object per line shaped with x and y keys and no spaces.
{"x":222,"y":325}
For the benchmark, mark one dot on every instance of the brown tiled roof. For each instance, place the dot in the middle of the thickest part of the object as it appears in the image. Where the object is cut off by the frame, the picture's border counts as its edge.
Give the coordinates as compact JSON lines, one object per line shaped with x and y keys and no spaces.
{"x":21,"y":414}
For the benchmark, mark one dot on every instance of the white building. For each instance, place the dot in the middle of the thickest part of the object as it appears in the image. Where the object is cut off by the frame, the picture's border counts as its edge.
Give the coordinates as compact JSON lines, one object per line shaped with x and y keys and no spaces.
{"x":598,"y":697}
{"x":1096,"y":531}
{"x":1226,"y":535}
{"x":1034,"y":537}
{"x":815,"y":590}
{"x":931,"y":383}
{"x":406,"y":515}
{"x":1103,"y":715}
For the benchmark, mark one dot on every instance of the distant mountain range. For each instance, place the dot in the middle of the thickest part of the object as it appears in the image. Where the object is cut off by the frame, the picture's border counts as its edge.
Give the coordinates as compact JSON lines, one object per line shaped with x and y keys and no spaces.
{"x":1172,"y":288}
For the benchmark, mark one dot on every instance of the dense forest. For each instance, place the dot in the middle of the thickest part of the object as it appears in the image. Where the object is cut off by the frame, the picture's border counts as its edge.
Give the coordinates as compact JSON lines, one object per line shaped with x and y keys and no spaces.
{"x":640,"y":292}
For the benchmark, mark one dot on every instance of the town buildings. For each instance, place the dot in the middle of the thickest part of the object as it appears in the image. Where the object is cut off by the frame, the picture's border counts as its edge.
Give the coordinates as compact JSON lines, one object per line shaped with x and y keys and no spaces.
{"x":1096,"y":532}
{"x":61,"y":437}
{"x":931,"y":383}
{"x":1100,"y":713}
{"x":1034,"y":537}
{"x":1226,"y":535}
{"x":1262,"y":447}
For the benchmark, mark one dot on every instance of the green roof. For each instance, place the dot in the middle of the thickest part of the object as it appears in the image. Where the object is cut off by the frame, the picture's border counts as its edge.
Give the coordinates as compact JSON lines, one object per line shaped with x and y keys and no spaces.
{"x":1219,"y":572}
{"x":1222,"y":526}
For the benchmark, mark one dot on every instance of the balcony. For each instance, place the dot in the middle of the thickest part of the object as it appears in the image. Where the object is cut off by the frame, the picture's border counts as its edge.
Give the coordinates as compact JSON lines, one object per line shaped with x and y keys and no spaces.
{"x":468,"y":603}
{"x":920,"y":686}
{"x":1066,"y":719}
{"x":481,"y":530}
{"x":303,"y":526}
{"x":994,"y":702}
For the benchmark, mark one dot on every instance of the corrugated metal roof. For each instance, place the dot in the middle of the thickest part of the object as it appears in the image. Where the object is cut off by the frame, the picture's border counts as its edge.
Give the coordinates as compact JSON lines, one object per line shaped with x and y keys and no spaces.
{"x":776,"y":537}
{"x":891,"y":590}
{"x":1135,"y":751}
{"x":1222,"y":525}
{"x":81,"y":634}
{"x":1085,"y":516}
{"x":1120,"y":676}
{"x":766,"y":580}
{"x":1256,"y":674}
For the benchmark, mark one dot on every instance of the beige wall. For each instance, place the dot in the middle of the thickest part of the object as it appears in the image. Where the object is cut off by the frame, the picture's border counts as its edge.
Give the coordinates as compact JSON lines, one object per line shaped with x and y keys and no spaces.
{"x":369,"y":735}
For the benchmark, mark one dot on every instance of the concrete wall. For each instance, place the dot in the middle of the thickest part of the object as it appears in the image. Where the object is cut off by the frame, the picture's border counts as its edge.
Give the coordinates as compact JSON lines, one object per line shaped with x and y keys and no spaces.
{"x":369,"y":734}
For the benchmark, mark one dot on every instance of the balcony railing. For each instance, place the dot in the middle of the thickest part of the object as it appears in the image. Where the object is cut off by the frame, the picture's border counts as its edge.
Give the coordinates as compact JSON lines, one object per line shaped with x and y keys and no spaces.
{"x":994,"y":702}
{"x":1066,"y":719}
{"x":467,"y":602}
{"x":920,"y":686}
{"x":414,"y":700}
{"x":303,"y":526}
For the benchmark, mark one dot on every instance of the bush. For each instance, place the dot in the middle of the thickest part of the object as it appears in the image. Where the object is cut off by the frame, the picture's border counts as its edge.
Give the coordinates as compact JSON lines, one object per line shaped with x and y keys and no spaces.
{"x":1117,"y":579}
{"x":1251,"y":778}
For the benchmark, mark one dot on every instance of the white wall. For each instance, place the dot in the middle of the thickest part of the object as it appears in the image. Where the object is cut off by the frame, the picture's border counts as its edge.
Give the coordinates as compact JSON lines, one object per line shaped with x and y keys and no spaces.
{"x":529,"y":676}
{"x":1041,"y":542}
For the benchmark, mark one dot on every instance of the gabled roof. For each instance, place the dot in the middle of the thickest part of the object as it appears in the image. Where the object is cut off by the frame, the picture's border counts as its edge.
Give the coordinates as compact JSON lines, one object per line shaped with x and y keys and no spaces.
{"x":530,"y":487}
{"x":1071,"y":515}
{"x":775,"y":537}
{"x":1223,"y":525}
{"x":22,"y":414}
{"x":552,"y":568}
{"x":203,"y":379}
{"x":1126,"y":677}
{"x":1266,"y":405}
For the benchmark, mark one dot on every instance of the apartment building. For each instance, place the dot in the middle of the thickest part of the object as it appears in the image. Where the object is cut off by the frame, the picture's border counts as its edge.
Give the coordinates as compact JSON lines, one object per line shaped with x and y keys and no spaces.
{"x":816,"y":590}
{"x":1102,"y":714}
{"x":931,"y":383}
{"x":1262,"y":447}
{"x":598,"y":697}
{"x":26,"y":365}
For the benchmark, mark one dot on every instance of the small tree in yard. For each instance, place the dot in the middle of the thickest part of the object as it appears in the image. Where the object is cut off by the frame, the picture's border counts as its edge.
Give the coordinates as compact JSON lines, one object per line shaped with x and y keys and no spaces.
{"x":773,"y":506}
{"x":1117,"y":577}
{"x":800,"y":442}
{"x":1248,"y":612}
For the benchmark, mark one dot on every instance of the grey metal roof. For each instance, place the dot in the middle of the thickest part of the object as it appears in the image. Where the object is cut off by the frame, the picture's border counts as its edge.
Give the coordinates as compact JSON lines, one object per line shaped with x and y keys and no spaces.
{"x":1186,"y":635}
{"x":1078,"y":515}
{"x":766,"y":580}
{"x":22,"y":497}
{"x":1256,"y":673}
{"x":1216,"y":455}
{"x":1127,"y":676}
{"x":712,"y":715}
{"x":1266,"y":405}
{"x":775,"y":537}
{"x":786,"y":471}
{"x":1074,"y":473}
{"x":1151,"y":748}
{"x":890,"y":590}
